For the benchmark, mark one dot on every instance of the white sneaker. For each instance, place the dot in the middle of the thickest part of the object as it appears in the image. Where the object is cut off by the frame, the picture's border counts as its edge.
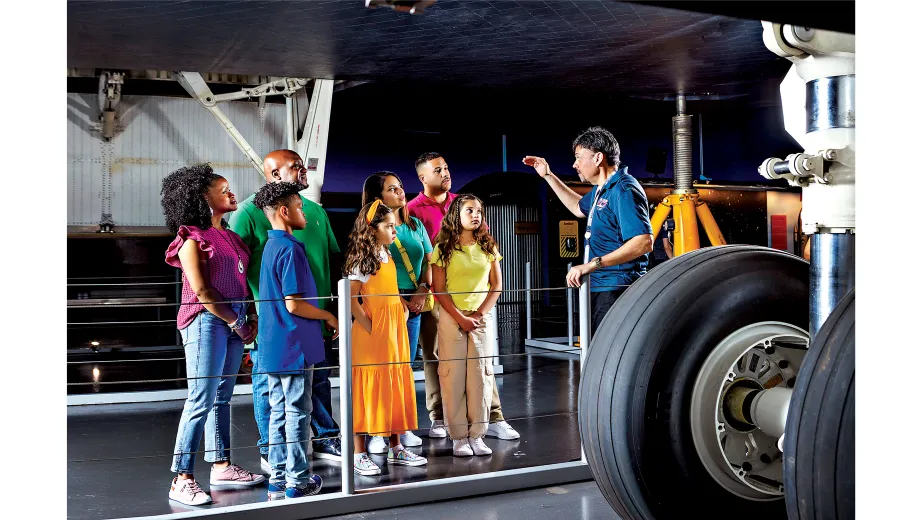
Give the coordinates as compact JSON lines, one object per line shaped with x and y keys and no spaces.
{"x":479,"y":447}
{"x":364,"y":465}
{"x":461,"y":448}
{"x":409,"y":439}
{"x":188,"y":492}
{"x":438,"y":430}
{"x":502,"y":431}
{"x":265,"y":465}
{"x":378,"y":445}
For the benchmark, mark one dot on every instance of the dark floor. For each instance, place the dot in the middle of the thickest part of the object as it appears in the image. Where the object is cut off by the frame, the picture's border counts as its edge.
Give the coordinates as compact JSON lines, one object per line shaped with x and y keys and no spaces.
{"x":119,"y":455}
{"x":578,"y":501}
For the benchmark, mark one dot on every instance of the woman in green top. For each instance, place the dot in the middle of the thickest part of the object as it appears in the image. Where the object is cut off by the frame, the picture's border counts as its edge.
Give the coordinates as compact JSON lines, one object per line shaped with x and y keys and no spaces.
{"x":413,"y":280}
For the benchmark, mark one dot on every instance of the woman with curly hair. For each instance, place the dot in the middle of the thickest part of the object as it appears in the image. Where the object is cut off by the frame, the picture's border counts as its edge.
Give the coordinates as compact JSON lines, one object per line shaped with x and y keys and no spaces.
{"x":465,"y":263}
{"x":214,"y":261}
{"x":384,"y":400}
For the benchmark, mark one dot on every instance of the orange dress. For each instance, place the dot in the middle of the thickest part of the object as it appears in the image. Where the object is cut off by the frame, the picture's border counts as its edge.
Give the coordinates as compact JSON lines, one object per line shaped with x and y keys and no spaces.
{"x":384,"y":399}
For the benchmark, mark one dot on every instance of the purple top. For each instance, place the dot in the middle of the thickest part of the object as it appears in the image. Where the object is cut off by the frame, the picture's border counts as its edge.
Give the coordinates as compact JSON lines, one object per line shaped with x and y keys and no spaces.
{"x":224,"y":249}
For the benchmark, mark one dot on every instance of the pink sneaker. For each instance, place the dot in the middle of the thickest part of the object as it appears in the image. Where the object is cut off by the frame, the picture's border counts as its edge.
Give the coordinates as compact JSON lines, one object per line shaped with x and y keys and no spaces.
{"x":188,"y":492}
{"x":234,"y":476}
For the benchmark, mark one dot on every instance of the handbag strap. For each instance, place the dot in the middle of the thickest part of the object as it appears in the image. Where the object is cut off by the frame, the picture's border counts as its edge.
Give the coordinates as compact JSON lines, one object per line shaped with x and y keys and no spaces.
{"x":407,"y":261}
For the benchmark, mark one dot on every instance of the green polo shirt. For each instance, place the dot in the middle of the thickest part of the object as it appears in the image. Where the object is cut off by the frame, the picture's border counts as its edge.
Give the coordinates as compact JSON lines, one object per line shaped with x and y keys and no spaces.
{"x":251,"y":224}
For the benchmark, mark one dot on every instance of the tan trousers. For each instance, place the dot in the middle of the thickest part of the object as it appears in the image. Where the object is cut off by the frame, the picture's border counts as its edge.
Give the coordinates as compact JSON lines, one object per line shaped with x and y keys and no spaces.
{"x":465,"y":383}
{"x":429,"y":325}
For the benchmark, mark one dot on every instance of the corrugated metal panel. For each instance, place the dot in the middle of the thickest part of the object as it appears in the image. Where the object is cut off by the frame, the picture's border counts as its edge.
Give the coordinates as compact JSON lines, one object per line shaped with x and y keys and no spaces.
{"x":84,"y":163}
{"x":517,"y":250}
{"x":157,"y":136}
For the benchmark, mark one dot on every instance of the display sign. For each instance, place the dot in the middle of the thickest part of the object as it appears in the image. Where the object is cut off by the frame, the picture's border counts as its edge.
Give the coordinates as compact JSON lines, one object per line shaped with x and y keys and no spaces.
{"x":568,"y":238}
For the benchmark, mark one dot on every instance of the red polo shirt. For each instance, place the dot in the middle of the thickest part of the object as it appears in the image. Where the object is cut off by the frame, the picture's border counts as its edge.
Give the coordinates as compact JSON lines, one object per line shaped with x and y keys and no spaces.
{"x":430,"y":212}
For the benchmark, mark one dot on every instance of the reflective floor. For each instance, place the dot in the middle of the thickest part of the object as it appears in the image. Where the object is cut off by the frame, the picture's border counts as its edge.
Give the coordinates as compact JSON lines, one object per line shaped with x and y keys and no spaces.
{"x":578,"y":501}
{"x":119,"y":455}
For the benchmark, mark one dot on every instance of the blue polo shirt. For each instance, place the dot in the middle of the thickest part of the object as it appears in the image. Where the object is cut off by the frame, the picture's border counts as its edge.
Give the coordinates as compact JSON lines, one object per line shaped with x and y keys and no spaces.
{"x":287,"y":342}
{"x":622,"y":213}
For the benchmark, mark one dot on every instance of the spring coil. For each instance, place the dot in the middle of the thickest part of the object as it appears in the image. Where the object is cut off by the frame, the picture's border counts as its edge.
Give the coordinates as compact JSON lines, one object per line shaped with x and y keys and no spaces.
{"x":683,"y":152}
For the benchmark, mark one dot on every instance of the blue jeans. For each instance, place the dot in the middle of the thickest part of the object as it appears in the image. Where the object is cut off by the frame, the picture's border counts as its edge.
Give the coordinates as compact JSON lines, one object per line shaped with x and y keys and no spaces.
{"x":322,"y":422}
{"x":290,"y":407}
{"x":413,"y":326}
{"x":212,"y":349}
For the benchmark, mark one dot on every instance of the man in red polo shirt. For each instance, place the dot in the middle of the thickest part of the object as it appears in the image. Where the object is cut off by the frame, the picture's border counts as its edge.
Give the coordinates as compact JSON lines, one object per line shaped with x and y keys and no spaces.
{"x":430,"y":207}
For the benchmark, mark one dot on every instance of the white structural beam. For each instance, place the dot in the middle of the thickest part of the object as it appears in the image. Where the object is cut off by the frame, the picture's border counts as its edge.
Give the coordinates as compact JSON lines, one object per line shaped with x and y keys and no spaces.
{"x":197,"y":88}
{"x":312,"y":145}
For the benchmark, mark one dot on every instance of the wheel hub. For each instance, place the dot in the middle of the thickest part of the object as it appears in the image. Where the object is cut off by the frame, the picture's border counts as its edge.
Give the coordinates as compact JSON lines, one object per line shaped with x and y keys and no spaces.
{"x":740,"y":456}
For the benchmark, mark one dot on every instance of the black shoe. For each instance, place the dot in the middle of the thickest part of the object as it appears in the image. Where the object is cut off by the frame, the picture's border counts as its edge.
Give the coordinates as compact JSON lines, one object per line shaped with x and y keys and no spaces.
{"x":313,"y":487}
{"x":327,"y":449}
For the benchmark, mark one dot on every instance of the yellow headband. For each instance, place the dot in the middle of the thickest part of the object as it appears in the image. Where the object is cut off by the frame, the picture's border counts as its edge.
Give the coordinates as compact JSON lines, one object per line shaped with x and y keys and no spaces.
{"x":371,"y":213}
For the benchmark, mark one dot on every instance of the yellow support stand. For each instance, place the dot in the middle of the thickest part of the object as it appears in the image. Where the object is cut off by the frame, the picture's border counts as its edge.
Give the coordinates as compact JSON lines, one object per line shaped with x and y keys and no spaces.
{"x":686,"y":207}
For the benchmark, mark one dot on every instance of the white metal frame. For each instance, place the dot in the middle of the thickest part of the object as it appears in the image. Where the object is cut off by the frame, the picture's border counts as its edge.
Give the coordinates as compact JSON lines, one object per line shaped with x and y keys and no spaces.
{"x":337,"y":504}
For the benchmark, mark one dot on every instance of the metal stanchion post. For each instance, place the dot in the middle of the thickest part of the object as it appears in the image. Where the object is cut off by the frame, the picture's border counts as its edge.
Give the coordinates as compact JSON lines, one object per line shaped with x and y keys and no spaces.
{"x":584,"y":319}
{"x":493,"y":336}
{"x":529,"y":305}
{"x":344,"y":318}
{"x":569,"y":293}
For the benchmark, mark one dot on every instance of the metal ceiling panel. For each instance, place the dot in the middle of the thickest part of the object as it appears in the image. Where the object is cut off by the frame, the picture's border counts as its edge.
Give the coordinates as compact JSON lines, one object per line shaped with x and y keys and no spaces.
{"x":593,"y":46}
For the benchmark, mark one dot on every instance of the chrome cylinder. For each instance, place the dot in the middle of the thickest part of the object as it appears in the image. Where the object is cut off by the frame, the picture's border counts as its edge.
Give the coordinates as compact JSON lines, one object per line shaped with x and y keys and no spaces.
{"x":830,"y":103}
{"x":831,"y":275}
{"x":683,"y":152}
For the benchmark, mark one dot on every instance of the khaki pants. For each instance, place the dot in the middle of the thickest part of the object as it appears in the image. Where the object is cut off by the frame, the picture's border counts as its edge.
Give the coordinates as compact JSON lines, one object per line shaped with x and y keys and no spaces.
{"x":429,"y":325}
{"x":465,"y":383}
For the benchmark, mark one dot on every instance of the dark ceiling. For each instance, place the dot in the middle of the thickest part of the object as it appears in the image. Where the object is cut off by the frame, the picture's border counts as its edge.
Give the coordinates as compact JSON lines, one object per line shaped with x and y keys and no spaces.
{"x":593,"y":46}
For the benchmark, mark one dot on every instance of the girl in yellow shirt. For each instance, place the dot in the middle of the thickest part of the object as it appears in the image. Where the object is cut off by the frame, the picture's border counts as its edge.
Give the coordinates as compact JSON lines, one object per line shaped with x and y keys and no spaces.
{"x":465,"y":261}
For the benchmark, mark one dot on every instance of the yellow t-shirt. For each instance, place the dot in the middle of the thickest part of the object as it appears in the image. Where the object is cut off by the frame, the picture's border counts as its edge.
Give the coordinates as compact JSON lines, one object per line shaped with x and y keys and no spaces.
{"x":468,"y":270}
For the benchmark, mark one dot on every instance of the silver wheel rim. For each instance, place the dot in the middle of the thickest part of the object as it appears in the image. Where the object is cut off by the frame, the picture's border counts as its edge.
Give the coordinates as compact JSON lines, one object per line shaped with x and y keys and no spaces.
{"x":747,"y":463}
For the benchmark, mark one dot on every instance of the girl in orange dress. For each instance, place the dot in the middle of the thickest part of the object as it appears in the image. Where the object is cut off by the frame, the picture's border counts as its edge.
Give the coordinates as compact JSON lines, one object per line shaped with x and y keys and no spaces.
{"x":384,"y":400}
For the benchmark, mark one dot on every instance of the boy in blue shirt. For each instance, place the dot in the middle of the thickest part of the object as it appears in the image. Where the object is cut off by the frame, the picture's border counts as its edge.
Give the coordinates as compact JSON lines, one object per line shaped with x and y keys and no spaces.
{"x":290,"y":339}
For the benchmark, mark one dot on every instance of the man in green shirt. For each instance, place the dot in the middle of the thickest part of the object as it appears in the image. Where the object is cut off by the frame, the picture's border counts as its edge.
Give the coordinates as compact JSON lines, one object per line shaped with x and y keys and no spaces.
{"x":251,"y":224}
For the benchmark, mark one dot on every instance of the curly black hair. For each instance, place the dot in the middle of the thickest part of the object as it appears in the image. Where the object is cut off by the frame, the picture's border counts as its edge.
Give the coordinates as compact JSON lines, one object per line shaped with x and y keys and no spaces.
{"x":275,"y":194}
{"x":183,"y":197}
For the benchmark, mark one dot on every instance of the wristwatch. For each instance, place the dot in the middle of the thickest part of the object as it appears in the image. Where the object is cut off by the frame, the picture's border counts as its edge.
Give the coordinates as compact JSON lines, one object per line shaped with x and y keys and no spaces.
{"x":239,"y":322}
{"x":425,"y":285}
{"x":598,"y":262}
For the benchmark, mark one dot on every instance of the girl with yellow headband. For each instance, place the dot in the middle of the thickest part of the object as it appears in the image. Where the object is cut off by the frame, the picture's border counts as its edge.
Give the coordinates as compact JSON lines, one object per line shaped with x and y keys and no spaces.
{"x":384,"y":400}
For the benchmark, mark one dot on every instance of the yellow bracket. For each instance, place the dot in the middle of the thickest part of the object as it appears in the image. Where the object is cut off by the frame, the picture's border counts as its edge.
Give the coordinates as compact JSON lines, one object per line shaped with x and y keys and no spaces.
{"x":686,"y":207}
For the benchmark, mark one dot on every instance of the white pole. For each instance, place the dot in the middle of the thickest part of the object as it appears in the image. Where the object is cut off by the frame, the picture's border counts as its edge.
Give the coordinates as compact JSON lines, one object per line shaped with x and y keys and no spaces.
{"x":529,"y":305}
{"x":584,"y":318}
{"x":290,"y":123}
{"x":493,"y":341}
{"x":344,"y":318}
{"x":569,"y":295}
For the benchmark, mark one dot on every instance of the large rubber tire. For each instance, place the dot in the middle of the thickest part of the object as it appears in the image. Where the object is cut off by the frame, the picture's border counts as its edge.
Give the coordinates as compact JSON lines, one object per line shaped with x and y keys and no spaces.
{"x":640,"y":369}
{"x":818,"y":466}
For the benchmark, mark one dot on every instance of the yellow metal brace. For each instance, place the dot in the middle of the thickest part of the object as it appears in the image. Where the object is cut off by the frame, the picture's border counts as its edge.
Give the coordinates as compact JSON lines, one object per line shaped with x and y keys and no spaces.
{"x":686,"y":208}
